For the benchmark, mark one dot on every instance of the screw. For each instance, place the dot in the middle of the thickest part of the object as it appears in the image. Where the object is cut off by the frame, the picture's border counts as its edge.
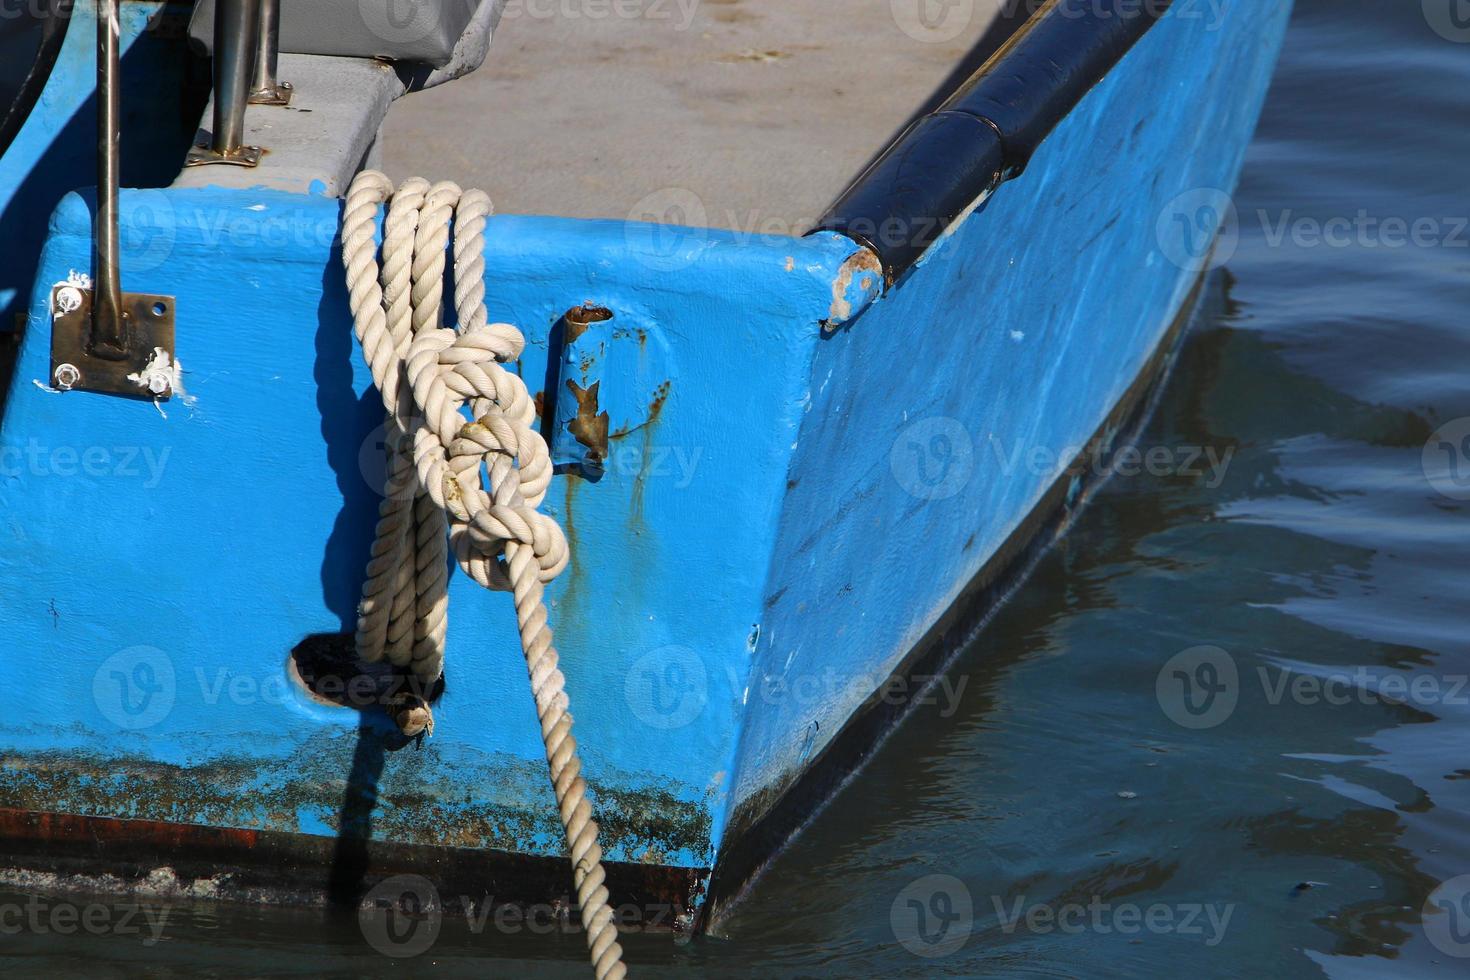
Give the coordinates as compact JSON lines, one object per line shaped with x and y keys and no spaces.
{"x":67,"y":376}
{"x":157,"y":382}
{"x":68,"y":299}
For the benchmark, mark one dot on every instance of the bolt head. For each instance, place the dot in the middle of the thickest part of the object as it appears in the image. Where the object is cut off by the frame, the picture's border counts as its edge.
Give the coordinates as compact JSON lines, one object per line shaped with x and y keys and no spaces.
{"x":68,"y":299}
{"x":67,"y":376}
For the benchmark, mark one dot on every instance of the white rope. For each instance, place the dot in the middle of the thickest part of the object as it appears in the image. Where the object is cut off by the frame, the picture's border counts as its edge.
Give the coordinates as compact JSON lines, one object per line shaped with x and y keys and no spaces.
{"x":436,"y":495}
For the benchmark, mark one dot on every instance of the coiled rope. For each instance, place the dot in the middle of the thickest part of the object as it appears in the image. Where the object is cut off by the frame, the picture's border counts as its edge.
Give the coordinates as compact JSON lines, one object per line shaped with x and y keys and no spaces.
{"x":436,"y":496}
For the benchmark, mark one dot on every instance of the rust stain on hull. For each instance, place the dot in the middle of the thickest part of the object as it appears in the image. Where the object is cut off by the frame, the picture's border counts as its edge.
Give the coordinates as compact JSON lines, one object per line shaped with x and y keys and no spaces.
{"x":590,"y":425}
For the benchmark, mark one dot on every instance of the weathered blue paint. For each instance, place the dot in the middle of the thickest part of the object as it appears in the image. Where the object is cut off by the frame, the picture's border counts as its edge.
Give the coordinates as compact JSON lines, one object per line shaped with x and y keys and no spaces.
{"x":55,"y":151}
{"x":1015,"y":334}
{"x":240,"y":525}
{"x":756,"y":555}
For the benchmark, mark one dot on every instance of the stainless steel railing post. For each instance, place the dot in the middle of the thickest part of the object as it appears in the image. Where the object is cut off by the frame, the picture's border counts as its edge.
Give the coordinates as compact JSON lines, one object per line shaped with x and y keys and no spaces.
{"x":103,"y":339}
{"x":109,"y":330}
{"x":265,"y":87}
{"x":236,"y":27}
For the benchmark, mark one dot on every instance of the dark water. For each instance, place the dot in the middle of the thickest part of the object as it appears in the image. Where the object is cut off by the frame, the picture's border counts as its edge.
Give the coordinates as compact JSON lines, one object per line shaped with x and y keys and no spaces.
{"x":1301,"y":816}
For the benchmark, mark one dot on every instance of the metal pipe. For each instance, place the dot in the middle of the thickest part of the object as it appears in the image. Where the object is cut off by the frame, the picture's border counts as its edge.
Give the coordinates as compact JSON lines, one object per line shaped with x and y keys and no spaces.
{"x":236,"y":27}
{"x":263,"y":85}
{"x":109,"y":338}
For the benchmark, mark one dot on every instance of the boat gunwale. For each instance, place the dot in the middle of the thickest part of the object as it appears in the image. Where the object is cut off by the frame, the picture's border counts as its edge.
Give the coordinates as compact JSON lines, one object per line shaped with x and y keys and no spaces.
{"x":938,"y":169}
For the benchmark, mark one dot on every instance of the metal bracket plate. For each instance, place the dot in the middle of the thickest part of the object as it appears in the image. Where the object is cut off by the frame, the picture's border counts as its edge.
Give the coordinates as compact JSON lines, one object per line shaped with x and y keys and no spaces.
{"x":149,"y":323}
{"x":280,"y":94}
{"x":201,"y":155}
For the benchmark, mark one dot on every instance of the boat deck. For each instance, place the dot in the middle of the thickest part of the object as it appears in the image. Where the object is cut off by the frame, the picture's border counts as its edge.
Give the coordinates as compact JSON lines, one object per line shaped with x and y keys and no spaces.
{"x":763,"y":110}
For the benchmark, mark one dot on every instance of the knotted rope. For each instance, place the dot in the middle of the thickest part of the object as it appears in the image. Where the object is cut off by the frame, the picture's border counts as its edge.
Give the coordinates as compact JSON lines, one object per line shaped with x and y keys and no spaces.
{"x":436,"y":496}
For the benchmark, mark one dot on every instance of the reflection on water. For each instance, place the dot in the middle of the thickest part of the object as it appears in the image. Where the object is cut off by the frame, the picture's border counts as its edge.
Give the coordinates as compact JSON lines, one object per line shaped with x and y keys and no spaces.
{"x":1224,"y":726}
{"x":1241,"y":709}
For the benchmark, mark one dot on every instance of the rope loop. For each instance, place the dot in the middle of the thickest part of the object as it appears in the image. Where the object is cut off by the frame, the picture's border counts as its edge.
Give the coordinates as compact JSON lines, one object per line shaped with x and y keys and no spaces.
{"x":467,"y":474}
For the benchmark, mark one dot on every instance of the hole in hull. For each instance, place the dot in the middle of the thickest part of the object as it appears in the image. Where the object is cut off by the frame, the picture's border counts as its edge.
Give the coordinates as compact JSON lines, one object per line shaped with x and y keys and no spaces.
{"x":326,"y":667}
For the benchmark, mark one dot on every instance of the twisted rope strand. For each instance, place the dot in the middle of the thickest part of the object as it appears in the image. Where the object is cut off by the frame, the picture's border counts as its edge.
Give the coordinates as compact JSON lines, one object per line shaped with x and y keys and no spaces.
{"x":437,"y":499}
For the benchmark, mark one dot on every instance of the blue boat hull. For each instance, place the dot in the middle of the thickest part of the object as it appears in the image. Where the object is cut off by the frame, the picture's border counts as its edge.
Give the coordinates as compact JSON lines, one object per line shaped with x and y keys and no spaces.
{"x":814,"y":489}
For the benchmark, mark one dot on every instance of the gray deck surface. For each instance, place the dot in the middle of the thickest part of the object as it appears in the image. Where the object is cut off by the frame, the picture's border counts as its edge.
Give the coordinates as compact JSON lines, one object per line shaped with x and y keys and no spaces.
{"x":763,"y":109}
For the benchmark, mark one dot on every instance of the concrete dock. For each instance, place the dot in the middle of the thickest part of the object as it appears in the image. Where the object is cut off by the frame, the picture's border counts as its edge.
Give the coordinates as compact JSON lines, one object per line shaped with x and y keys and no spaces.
{"x":751,"y":115}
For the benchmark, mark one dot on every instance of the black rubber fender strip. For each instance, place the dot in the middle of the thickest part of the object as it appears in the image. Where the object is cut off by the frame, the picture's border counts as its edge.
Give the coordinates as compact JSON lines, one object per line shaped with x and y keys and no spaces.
{"x":986,"y":132}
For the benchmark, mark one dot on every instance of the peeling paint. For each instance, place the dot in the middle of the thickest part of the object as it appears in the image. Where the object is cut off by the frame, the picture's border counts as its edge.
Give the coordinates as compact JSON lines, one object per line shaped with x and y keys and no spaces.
{"x":589,"y":426}
{"x":584,"y":357}
{"x":858,"y":282}
{"x":497,"y":804}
